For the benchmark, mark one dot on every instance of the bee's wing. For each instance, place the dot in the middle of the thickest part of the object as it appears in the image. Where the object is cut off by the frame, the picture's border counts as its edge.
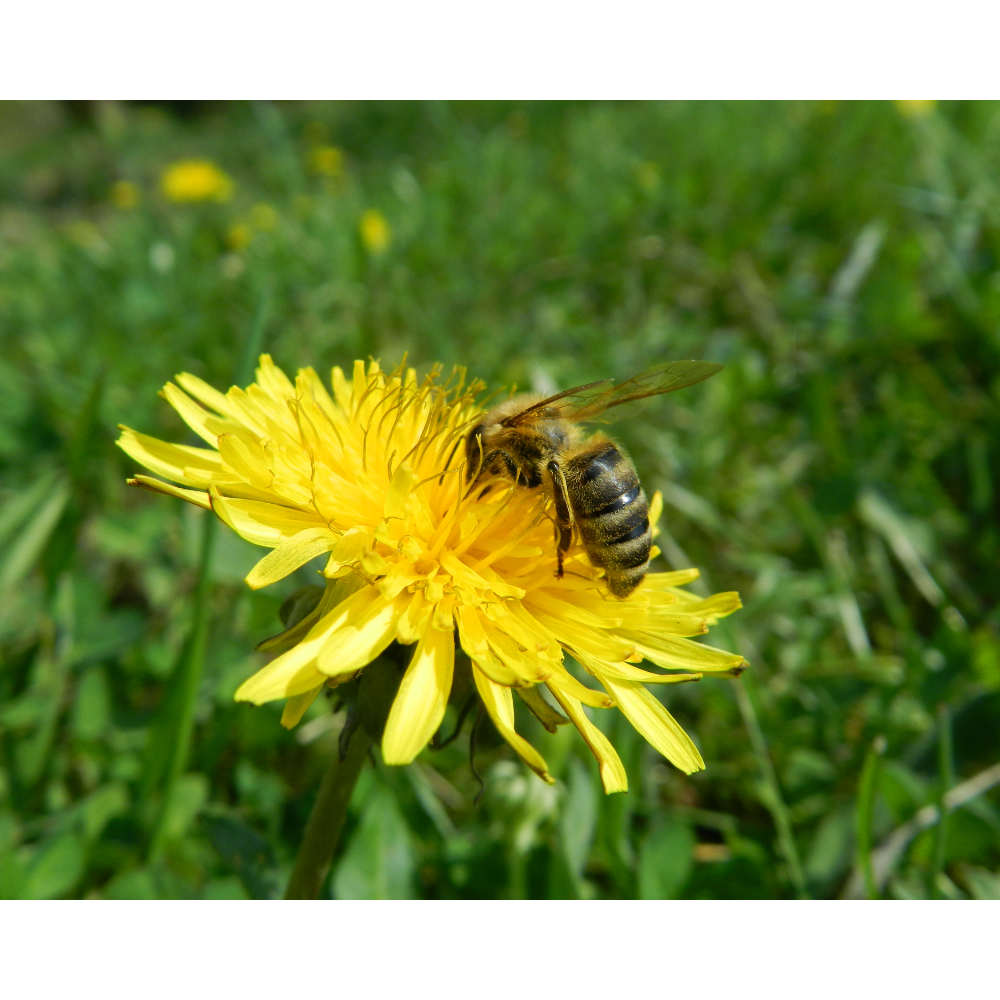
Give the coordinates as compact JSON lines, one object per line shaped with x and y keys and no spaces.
{"x":588,"y":402}
{"x":560,"y":404}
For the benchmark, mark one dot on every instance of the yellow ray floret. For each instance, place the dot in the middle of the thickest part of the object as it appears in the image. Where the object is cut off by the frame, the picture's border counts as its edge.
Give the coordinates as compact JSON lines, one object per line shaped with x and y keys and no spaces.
{"x":370,"y":475}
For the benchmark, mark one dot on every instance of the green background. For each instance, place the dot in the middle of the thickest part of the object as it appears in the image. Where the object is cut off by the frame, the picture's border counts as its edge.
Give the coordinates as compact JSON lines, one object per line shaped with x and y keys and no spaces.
{"x":841,"y":259}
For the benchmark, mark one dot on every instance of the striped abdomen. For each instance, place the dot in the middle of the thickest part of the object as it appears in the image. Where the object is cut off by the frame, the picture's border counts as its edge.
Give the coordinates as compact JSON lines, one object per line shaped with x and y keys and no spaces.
{"x":612,"y":515}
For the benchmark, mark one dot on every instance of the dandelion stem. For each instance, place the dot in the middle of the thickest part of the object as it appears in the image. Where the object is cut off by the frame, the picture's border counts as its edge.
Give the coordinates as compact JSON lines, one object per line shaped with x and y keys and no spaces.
{"x":946,"y":779}
{"x":326,"y":820}
{"x":771,"y":789}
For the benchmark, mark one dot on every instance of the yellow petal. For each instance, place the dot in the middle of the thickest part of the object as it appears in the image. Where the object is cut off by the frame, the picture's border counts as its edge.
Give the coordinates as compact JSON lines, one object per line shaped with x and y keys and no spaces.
{"x":373,"y":563}
{"x":398,"y":577}
{"x":342,"y":390}
{"x":711,"y":608}
{"x":352,"y":546}
{"x":528,"y":669}
{"x":606,"y":616}
{"x":247,"y":413}
{"x":204,"y":393}
{"x":444,"y":614}
{"x":413,"y":622}
{"x":399,"y":489}
{"x":282,"y":678}
{"x":496,"y":670}
{"x":366,"y":631}
{"x":596,"y":642}
{"x":626,"y":672}
{"x":206,"y":425}
{"x":499,"y":585}
{"x":655,"y":510}
{"x":675,"y":653}
{"x":613,"y":775}
{"x":471,"y":631}
{"x":528,"y":632}
{"x":296,"y":671}
{"x":499,"y":703}
{"x":475,"y":631}
{"x":273,"y":380}
{"x":197,"y":497}
{"x":336,"y":591}
{"x":464,"y":575}
{"x":589,"y":696}
{"x":296,"y":707}
{"x":246,"y":461}
{"x":655,"y":723}
{"x":290,"y":555}
{"x":360,"y":382}
{"x":266,"y":524}
{"x":419,"y":706}
{"x":179,"y":462}
{"x":661,"y":581}
{"x":315,"y":388}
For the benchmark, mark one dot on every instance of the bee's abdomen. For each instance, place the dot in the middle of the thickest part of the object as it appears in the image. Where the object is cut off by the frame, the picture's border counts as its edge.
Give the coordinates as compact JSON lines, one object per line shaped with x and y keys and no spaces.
{"x":612,"y":516}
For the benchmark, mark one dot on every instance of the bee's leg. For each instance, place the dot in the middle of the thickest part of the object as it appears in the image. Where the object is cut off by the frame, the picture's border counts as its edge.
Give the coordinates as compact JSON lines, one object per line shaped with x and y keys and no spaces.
{"x":564,"y":513}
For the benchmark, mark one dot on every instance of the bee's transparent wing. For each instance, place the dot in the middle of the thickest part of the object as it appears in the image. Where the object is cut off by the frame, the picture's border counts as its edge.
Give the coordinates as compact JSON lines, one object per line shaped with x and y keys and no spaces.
{"x":588,"y":402}
{"x":559,"y":405}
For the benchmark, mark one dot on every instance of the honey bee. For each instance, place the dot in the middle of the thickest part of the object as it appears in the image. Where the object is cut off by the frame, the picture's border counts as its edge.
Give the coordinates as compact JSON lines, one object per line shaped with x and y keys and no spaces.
{"x":593,"y":485}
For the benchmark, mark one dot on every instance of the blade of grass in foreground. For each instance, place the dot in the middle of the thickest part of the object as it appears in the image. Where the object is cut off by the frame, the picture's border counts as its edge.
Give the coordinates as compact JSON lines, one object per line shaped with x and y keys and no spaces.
{"x":946,"y":778}
{"x":192,"y":663}
{"x":772,"y":791}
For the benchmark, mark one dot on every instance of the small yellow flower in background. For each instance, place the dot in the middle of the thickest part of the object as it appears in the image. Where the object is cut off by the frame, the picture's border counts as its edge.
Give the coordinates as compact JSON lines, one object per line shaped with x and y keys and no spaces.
{"x":264,"y":217}
{"x":196,"y":180}
{"x":375,"y":232}
{"x":326,"y":160}
{"x":916,"y":109}
{"x":239,"y":237}
{"x":124,"y":195}
{"x":372,"y":477}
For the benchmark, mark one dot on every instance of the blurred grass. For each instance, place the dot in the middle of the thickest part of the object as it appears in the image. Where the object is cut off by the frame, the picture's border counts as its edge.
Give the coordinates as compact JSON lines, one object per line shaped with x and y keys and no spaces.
{"x":842,"y":260}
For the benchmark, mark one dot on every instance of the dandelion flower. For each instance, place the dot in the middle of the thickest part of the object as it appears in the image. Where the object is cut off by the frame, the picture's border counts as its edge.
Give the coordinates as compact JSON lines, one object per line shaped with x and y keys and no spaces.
{"x":196,"y":180}
{"x":371,"y":477}
{"x":375,"y":232}
{"x":326,"y":160}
